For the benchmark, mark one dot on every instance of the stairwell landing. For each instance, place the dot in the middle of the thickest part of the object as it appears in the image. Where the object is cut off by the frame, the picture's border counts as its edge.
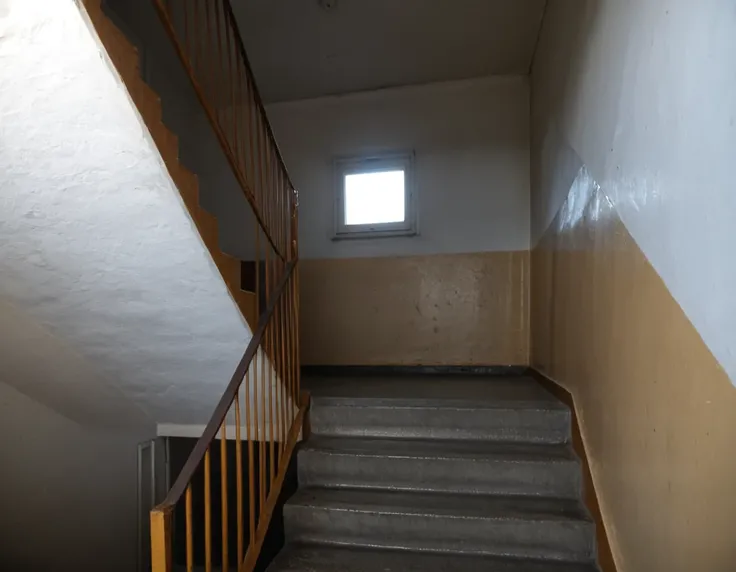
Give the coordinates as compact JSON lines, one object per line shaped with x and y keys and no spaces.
{"x":437,"y":473}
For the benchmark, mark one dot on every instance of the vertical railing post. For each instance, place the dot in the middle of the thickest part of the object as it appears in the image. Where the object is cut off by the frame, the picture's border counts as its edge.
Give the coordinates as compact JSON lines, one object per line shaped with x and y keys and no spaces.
{"x":161,"y":540}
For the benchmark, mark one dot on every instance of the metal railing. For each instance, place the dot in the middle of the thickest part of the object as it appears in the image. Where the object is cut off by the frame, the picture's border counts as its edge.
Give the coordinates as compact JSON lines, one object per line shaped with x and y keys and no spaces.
{"x":263,"y":409}
{"x":207,"y":40}
{"x":259,"y":418}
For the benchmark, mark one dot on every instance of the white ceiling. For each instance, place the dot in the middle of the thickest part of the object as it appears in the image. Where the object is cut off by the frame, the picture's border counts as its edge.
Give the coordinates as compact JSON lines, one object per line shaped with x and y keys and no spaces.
{"x":300,"y":50}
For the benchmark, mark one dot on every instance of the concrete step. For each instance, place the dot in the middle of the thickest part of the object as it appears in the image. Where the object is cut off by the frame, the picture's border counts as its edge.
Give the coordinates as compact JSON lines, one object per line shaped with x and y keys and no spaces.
{"x":310,"y":558}
{"x":471,"y":467}
{"x":500,"y":409}
{"x":517,"y":527}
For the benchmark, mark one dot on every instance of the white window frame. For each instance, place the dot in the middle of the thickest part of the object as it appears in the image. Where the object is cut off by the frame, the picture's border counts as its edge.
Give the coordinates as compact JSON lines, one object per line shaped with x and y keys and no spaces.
{"x":375,"y":163}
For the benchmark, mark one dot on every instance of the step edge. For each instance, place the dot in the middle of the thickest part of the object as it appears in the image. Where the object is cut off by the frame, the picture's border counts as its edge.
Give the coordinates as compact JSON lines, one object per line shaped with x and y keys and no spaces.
{"x":500,"y":458}
{"x":445,"y":405}
{"x":585,"y":559}
{"x":581,"y":514}
{"x":340,"y":551}
{"x":577,"y":520}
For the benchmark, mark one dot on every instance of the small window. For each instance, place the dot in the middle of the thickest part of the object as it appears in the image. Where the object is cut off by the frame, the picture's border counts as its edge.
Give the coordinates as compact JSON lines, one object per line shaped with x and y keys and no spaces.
{"x":374,"y":196}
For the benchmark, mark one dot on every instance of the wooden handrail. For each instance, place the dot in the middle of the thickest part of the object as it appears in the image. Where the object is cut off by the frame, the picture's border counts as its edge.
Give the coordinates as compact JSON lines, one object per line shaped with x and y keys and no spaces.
{"x":210,"y":433}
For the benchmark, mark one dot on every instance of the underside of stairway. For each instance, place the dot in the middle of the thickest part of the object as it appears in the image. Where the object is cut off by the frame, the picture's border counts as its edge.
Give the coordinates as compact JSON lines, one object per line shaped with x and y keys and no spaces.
{"x":437,"y":473}
{"x":123,"y":39}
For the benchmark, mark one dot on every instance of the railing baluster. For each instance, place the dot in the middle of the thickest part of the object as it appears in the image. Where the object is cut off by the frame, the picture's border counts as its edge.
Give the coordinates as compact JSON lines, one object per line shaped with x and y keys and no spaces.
{"x":283,"y":214}
{"x":256,"y":416}
{"x":251,"y":139}
{"x":287,"y":349}
{"x":223,"y":493}
{"x":239,"y":478}
{"x":284,"y":374}
{"x":297,"y":317}
{"x":217,"y":67}
{"x":274,"y":195}
{"x":251,"y":468}
{"x":189,"y":526}
{"x":272,"y":190}
{"x":231,"y":77}
{"x":259,"y":184}
{"x":267,"y":182}
{"x":280,"y":379}
{"x":274,"y":386}
{"x":295,"y":339}
{"x":286,"y":214}
{"x":208,"y":68}
{"x":196,"y":56}
{"x":185,"y":17}
{"x":272,"y":457}
{"x":262,"y":440}
{"x":207,"y":515}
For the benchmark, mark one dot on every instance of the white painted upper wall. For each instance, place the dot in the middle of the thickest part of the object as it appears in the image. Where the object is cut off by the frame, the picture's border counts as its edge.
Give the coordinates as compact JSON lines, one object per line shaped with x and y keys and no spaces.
{"x":471,"y":140}
{"x":644,"y":95}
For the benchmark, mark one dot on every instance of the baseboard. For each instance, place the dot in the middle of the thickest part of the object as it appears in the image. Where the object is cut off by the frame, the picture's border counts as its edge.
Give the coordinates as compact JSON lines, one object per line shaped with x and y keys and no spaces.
{"x":605,"y":556}
{"x":402,"y":370}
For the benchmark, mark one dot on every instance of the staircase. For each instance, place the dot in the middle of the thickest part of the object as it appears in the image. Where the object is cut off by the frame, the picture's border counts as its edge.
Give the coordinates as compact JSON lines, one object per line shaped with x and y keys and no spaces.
{"x":398,"y":474}
{"x":437,"y":473}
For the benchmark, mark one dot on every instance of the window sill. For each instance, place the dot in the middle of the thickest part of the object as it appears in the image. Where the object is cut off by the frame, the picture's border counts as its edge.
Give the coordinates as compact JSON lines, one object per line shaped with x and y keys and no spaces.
{"x":367,"y":235}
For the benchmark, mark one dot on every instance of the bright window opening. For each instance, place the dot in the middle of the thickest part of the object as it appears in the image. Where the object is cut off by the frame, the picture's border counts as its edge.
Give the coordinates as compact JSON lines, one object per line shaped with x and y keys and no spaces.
{"x":374,"y":196}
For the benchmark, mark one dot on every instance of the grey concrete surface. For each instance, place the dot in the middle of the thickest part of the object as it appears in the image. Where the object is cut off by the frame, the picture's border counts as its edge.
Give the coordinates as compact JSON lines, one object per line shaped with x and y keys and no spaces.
{"x":313,"y":558}
{"x":441,"y":466}
{"x":523,"y":527}
{"x":437,"y":473}
{"x":440,"y":390}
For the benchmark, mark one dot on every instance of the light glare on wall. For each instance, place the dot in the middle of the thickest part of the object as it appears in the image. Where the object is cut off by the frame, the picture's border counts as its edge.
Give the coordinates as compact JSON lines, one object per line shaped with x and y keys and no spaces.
{"x":374,"y":198}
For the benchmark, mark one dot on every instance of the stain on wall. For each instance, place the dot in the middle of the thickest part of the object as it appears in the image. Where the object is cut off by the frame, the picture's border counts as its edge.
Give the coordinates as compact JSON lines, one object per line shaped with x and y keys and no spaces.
{"x":460,"y":309}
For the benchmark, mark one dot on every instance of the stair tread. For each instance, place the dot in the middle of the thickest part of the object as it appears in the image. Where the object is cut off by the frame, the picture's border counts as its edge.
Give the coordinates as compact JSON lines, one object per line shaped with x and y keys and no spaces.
{"x":313,"y":558}
{"x":435,"y":391}
{"x":451,"y":505}
{"x":441,"y":449}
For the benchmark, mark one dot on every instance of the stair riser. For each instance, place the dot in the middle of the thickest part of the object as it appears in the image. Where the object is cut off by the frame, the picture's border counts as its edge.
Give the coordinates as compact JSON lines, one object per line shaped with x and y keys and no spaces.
{"x":553,"y":479}
{"x":510,"y":425}
{"x":569,"y":541}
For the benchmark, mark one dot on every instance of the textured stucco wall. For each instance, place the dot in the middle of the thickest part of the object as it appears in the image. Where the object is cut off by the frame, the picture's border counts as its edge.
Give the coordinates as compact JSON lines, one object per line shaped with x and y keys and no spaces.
{"x":199,"y":149}
{"x":96,"y":247}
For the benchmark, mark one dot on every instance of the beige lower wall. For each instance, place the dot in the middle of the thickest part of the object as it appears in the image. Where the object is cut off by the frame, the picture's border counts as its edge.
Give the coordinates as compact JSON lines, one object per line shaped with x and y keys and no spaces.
{"x":455,"y":309}
{"x":657,"y":412}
